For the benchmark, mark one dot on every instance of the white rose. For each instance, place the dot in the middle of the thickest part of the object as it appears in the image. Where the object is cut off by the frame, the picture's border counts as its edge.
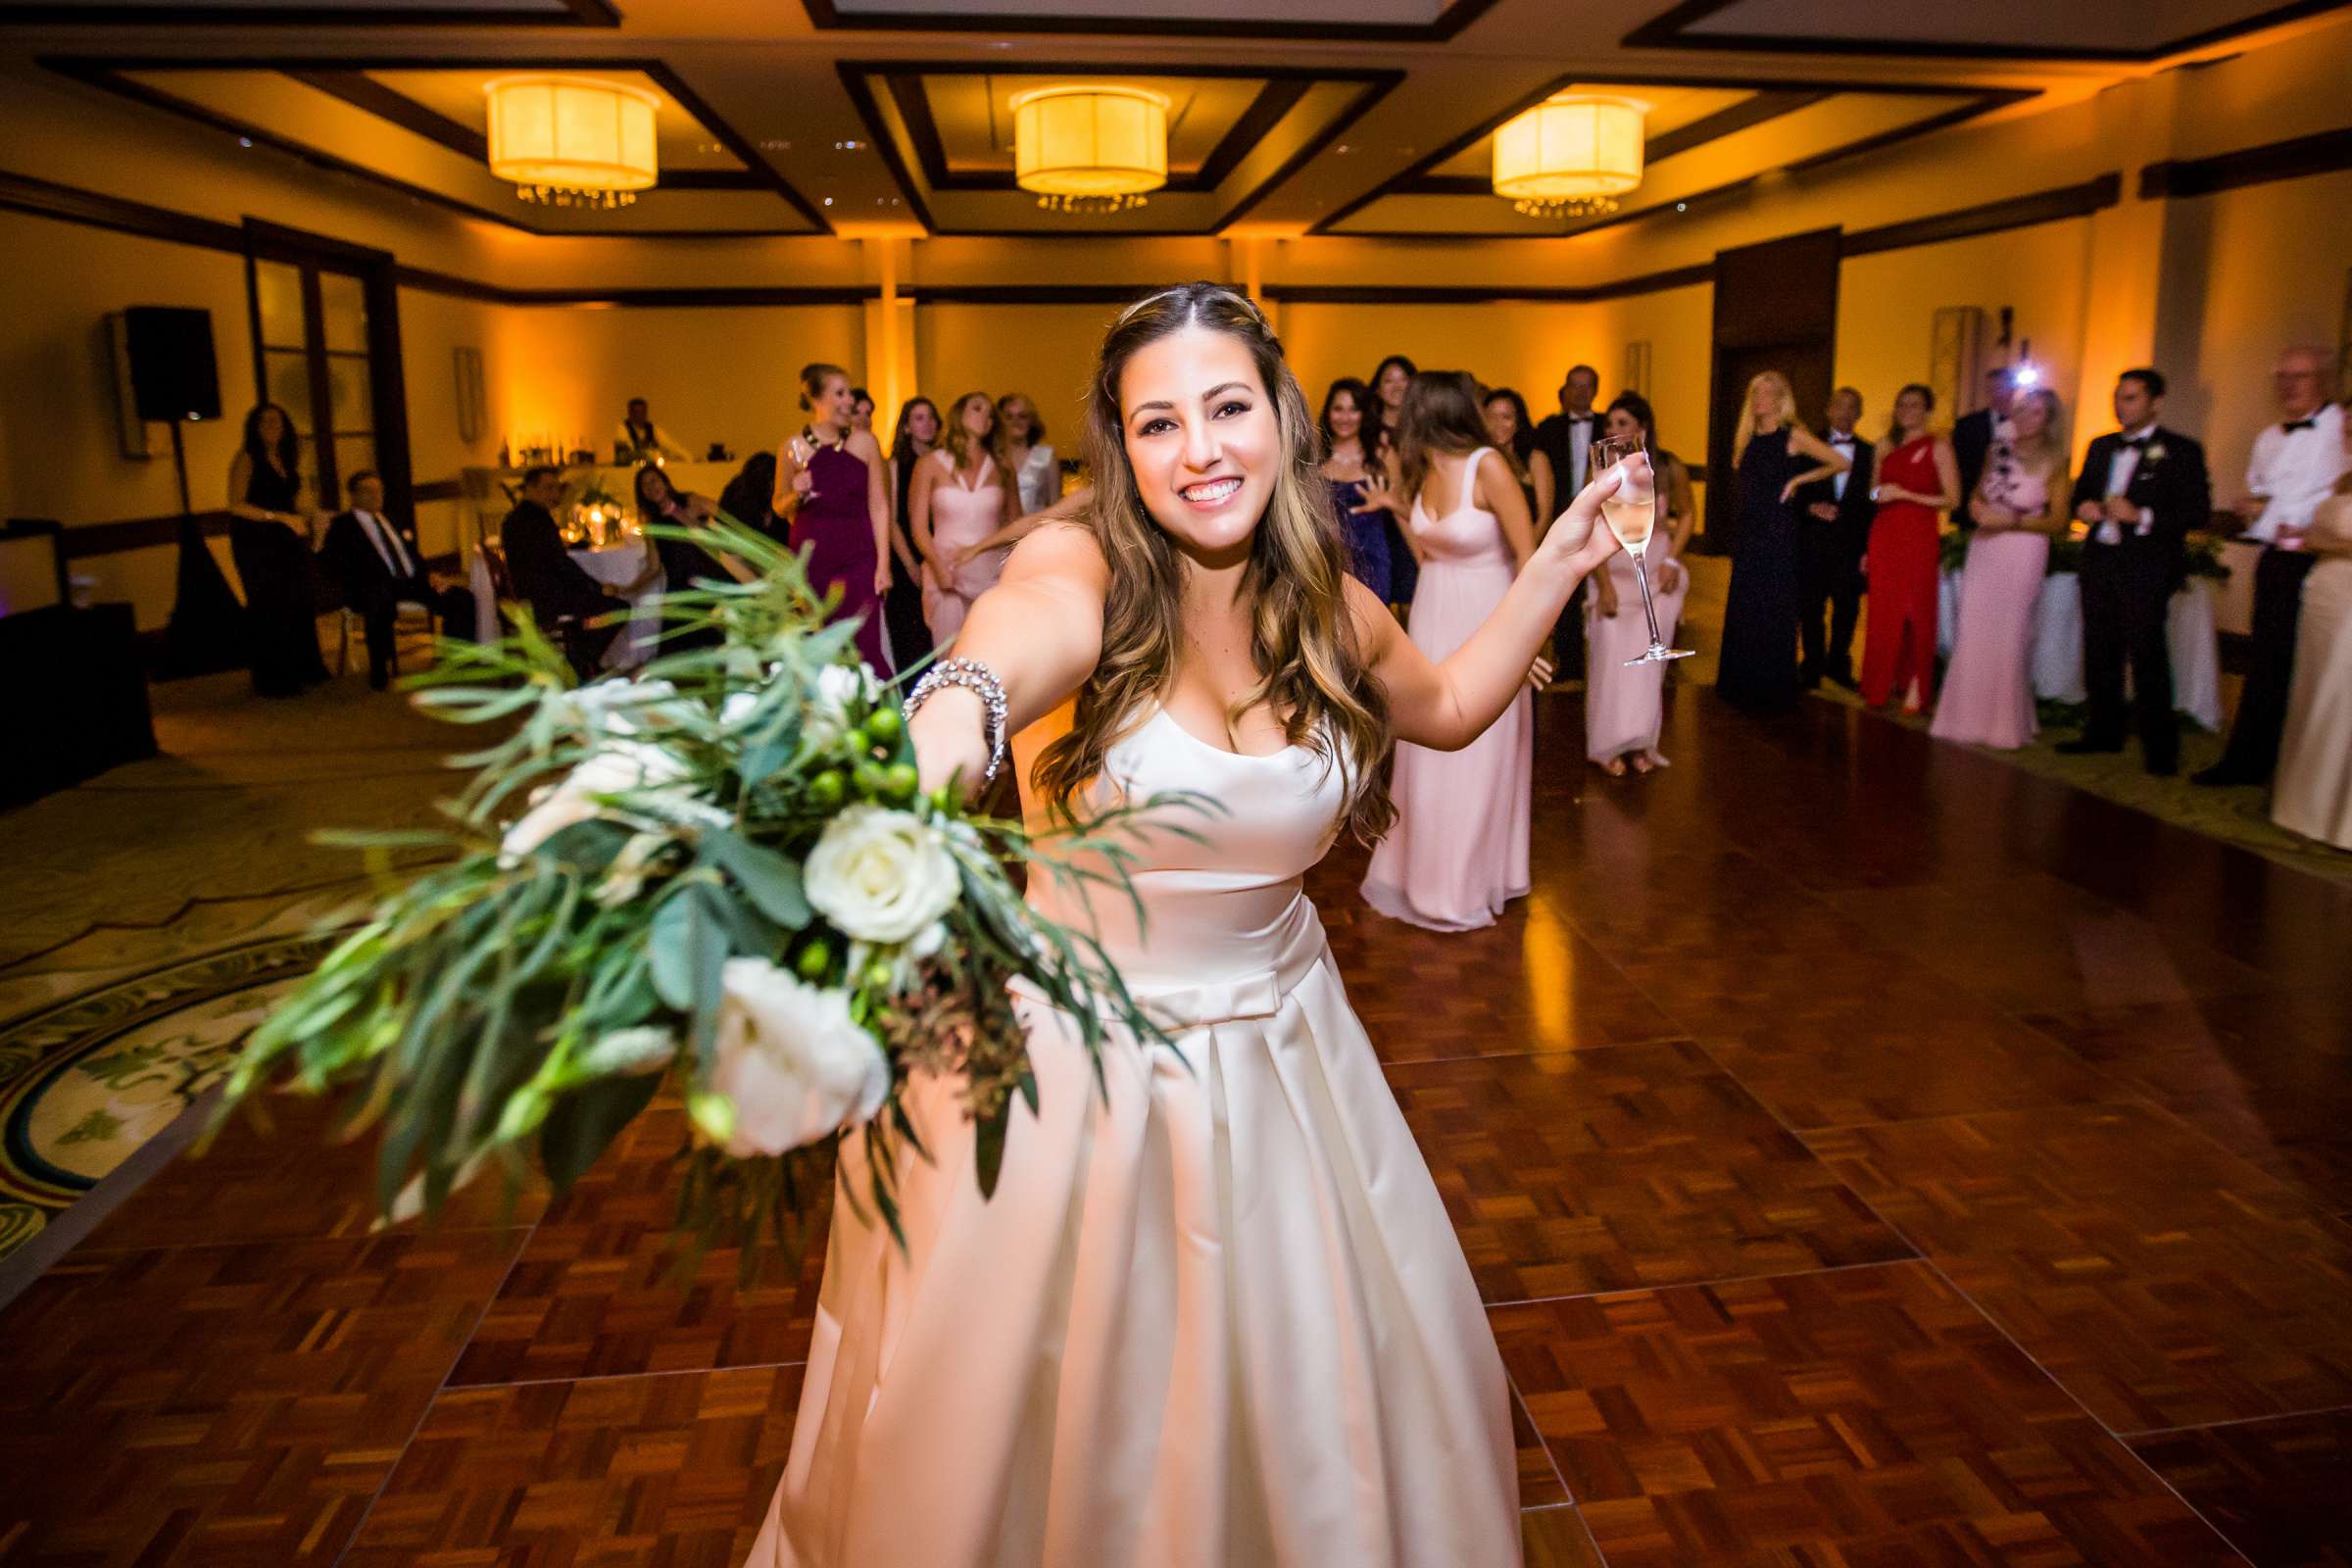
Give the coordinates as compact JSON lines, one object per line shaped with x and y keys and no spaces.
{"x":881,"y":875}
{"x":619,"y":767}
{"x":736,"y":705}
{"x":837,"y":687}
{"x":791,"y":1060}
{"x":625,"y":878}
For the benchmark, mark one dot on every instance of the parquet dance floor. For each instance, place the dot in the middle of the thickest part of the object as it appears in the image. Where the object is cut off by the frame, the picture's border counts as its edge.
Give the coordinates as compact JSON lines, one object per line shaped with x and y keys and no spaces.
{"x":1870,"y":1153}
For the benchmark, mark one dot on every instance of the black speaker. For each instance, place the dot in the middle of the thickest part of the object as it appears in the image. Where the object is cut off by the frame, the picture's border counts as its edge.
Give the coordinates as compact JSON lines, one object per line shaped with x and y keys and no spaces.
{"x":173,"y":372}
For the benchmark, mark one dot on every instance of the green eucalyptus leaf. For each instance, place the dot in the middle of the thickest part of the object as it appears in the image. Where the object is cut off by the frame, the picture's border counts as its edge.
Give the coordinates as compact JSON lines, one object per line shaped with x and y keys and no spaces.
{"x":768,"y":879}
{"x":583,"y":1123}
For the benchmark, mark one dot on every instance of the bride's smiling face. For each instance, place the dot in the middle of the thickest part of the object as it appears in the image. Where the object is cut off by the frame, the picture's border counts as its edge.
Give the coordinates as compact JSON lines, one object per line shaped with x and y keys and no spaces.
{"x":1203,"y":437}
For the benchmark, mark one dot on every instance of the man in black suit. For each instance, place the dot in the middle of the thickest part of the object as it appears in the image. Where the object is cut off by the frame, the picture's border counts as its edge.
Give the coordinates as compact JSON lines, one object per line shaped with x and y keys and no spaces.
{"x":1566,"y":438}
{"x":379,"y":567}
{"x":563,"y":596}
{"x":1972,"y":437}
{"x":1836,"y":513}
{"x":2141,"y":490}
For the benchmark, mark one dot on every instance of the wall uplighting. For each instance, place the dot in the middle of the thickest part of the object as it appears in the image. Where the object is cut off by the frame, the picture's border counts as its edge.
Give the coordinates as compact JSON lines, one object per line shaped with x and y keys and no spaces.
{"x":1090,"y":147}
{"x":1571,"y":155}
{"x":572,"y":142}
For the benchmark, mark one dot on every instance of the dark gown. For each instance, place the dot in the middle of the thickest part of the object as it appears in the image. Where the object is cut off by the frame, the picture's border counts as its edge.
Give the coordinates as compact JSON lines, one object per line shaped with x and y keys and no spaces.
{"x":1366,"y":534}
{"x":685,"y":563}
{"x":833,"y":524}
{"x":902,"y":605}
{"x":281,"y":604}
{"x":1758,"y":671}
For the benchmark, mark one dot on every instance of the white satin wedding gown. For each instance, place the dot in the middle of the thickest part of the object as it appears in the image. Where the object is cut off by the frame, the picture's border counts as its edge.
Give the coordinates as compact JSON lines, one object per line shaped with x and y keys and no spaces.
{"x":1218,"y":1319}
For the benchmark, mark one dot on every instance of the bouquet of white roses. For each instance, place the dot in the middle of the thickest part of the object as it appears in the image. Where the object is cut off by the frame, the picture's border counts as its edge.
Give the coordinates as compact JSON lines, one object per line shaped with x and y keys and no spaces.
{"x":722,"y":878}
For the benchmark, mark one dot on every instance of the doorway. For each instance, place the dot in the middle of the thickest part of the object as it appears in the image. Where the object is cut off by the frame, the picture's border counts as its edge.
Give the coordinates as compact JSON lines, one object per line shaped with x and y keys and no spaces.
{"x":1775,"y":308}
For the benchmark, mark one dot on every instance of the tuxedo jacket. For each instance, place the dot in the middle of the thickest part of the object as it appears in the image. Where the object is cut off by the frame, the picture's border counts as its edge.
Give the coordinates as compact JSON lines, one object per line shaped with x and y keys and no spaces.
{"x":350,"y":557}
{"x":1854,"y":511}
{"x":545,"y":575}
{"x":2172,"y":484}
{"x":1971,"y":442}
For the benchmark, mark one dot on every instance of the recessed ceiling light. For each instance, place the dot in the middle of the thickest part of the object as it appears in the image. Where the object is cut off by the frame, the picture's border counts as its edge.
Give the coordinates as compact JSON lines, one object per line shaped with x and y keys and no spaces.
{"x":828,"y":201}
{"x":1682,"y":207}
{"x":244,"y":141}
{"x":1343,"y":149}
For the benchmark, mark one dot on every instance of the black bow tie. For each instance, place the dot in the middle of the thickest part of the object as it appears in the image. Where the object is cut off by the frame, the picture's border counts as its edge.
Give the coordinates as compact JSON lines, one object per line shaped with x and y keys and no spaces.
{"x":1841,"y":440}
{"x":2135,"y":442}
{"x":2292,"y":425}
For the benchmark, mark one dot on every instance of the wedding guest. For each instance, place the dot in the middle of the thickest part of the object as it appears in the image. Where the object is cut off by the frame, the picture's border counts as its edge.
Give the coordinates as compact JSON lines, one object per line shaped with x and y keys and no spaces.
{"x":1021,"y":447}
{"x":270,"y":541}
{"x":682,"y":563}
{"x":2314,"y":797}
{"x":1625,"y":706}
{"x":1973,"y":436}
{"x":2295,"y":466}
{"x":563,"y":598}
{"x":746,"y":497}
{"x":1389,"y":383}
{"x":638,"y":439}
{"x":1361,"y":495}
{"x":1833,"y":530}
{"x":2140,"y":491}
{"x":911,"y":440}
{"x":379,"y":567}
{"x":1566,"y":441}
{"x":961,"y":498}
{"x":829,"y":483}
{"x":1513,"y":433}
{"x":1918,"y":481}
{"x":1458,"y":851}
{"x":1774,"y":456}
{"x":861,"y":410}
{"x":2019,"y":504}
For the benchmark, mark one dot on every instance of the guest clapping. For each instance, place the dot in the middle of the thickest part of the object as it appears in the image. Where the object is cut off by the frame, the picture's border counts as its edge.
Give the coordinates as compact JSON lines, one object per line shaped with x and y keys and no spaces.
{"x":268,"y":540}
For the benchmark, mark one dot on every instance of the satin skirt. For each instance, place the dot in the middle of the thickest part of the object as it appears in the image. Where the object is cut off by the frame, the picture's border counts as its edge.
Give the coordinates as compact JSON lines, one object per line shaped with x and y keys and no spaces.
{"x":1624,"y":709}
{"x":1457,"y":852}
{"x":2314,"y":793}
{"x":1987,"y":695}
{"x":1215,"y":1317}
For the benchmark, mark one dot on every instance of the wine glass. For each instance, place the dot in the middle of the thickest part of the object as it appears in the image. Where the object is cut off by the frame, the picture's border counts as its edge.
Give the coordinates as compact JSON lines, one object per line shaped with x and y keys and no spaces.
{"x":1631,"y":514}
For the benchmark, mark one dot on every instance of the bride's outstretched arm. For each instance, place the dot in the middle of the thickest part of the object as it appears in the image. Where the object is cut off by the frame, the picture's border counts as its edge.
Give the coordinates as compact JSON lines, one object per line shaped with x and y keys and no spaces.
{"x":1446,"y":705}
{"x":1039,"y":630}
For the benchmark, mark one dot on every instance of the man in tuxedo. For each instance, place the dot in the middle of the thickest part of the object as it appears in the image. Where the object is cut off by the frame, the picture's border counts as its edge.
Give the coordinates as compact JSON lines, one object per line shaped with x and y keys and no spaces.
{"x":638,"y":439}
{"x":2294,"y":468}
{"x":2141,"y":490}
{"x":1835,"y":514}
{"x":563,"y":596}
{"x":379,"y":567}
{"x":1566,"y":438}
{"x":1972,"y":438}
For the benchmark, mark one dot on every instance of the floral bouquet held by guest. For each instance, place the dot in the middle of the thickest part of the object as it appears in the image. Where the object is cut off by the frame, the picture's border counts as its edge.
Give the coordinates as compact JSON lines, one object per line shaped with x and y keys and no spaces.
{"x":724,"y":880}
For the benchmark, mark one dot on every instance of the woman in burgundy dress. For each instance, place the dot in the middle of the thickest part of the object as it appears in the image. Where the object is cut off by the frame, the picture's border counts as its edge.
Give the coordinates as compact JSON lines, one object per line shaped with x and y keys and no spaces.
{"x":829,"y":483}
{"x":1918,"y":479}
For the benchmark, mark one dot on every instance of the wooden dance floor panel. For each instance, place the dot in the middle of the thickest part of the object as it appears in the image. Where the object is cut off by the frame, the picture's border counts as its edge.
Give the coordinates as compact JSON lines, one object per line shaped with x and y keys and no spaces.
{"x":1869,"y":1152}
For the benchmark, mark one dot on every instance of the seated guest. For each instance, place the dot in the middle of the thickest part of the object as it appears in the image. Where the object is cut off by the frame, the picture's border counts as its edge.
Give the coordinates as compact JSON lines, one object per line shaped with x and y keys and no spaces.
{"x":379,"y":567}
{"x":640,"y":440}
{"x":546,"y":577}
{"x":745,"y":499}
{"x":681,"y":564}
{"x":2314,"y":794}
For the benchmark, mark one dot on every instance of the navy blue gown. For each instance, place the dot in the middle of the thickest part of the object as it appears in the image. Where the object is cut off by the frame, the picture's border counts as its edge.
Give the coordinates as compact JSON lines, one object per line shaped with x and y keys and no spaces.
{"x":1368,"y":557}
{"x":1758,"y":669}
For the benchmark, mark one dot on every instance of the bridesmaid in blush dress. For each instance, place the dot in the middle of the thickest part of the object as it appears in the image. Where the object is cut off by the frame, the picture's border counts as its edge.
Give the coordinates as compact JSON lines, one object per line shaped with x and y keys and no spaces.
{"x":1458,"y":853}
{"x":1987,"y":696}
{"x":1625,"y":706}
{"x":829,"y":483}
{"x":1771,"y":451}
{"x":1918,"y":478}
{"x":961,"y":498}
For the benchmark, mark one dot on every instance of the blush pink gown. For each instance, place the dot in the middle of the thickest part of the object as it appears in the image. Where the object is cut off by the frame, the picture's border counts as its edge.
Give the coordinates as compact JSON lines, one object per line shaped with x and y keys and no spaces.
{"x":1987,"y":693}
{"x":961,"y":516}
{"x":1458,"y":850}
{"x":1214,"y":1315}
{"x":1625,"y":708}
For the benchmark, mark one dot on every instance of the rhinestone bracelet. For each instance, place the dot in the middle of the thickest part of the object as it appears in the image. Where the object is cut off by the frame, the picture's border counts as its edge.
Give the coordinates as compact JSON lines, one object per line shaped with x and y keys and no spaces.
{"x":976,"y":677}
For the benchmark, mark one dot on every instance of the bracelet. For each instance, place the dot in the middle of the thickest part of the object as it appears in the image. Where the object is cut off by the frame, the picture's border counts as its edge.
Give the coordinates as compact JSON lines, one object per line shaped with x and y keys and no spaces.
{"x":976,"y":677}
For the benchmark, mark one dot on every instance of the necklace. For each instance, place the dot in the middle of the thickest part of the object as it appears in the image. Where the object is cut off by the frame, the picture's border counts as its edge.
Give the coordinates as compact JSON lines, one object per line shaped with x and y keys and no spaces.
{"x":808,"y":434}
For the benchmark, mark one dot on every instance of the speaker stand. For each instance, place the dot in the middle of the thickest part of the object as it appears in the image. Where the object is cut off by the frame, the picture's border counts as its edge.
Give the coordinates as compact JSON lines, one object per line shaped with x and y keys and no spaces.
{"x":206,"y":632}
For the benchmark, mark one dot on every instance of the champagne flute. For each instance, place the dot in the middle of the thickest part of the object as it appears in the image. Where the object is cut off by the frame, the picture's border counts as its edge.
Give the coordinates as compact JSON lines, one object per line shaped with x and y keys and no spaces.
{"x":1632,"y":513}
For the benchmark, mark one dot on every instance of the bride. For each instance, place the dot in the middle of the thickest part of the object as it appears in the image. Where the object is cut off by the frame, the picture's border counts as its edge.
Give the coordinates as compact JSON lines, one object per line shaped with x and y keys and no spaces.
{"x":1214,"y":1312}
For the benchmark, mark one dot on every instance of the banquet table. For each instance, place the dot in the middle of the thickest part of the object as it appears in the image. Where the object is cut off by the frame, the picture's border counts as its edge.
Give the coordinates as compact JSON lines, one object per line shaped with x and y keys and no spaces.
{"x":2189,"y":634}
{"x":613,"y":566}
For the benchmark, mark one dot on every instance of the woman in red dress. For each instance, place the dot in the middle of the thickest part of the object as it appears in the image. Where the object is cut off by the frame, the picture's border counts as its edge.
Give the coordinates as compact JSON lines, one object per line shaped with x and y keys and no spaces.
{"x":1919,"y":478}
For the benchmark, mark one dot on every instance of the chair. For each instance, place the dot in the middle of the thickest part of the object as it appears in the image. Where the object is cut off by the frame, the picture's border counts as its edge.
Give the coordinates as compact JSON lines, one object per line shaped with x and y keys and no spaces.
{"x":405,"y":617}
{"x":570,"y":631}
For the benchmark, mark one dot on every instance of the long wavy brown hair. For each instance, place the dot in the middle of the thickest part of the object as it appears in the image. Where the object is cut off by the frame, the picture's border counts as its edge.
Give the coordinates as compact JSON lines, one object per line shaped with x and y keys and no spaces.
{"x":1303,"y":641}
{"x":1441,"y":413}
{"x":958,"y":440}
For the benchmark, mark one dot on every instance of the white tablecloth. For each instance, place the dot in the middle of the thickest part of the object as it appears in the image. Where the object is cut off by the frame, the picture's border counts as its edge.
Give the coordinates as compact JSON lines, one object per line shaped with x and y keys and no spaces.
{"x":614,"y":566}
{"x":2189,"y":634}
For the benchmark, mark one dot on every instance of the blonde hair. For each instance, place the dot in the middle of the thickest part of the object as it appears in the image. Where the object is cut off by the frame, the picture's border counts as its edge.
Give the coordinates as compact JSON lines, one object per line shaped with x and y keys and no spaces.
{"x":958,"y":440}
{"x":1747,"y":430}
{"x":1302,"y":636}
{"x":814,"y":378}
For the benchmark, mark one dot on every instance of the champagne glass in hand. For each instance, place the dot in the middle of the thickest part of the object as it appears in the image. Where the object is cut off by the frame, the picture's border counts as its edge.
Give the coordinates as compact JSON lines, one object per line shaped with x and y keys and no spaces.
{"x":1631,"y":512}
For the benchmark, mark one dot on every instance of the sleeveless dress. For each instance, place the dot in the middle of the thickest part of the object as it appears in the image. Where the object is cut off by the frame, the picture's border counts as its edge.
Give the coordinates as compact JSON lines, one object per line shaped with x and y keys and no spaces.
{"x":1987,"y":696}
{"x":1625,"y":707}
{"x":1904,"y":555}
{"x":281,"y":604}
{"x":1458,"y":850}
{"x":1365,"y":533}
{"x":961,"y":516}
{"x":835,"y":523}
{"x":1215,"y":1314}
{"x":2312,"y":796}
{"x":1758,"y":667}
{"x":903,"y":606}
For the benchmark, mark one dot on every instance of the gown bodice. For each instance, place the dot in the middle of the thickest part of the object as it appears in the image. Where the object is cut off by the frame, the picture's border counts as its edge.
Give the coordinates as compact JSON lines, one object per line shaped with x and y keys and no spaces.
{"x":962,"y":514}
{"x":1467,"y":535}
{"x":1220,"y":887}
